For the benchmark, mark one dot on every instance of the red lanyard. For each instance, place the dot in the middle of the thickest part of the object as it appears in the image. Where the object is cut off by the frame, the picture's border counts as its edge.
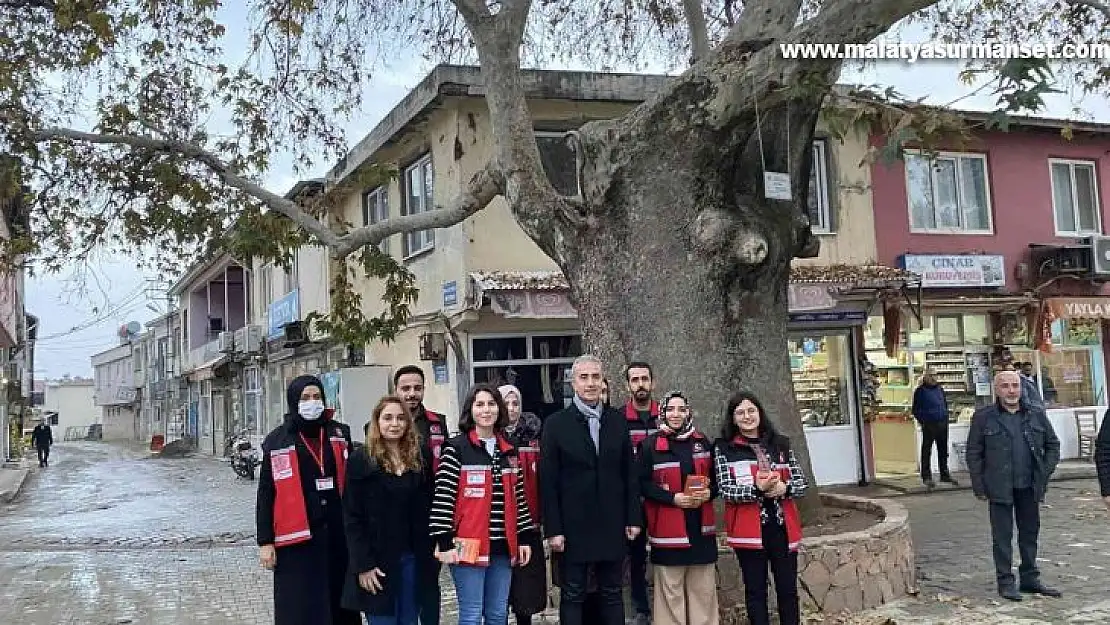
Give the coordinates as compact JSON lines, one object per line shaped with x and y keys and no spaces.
{"x":319,"y":458}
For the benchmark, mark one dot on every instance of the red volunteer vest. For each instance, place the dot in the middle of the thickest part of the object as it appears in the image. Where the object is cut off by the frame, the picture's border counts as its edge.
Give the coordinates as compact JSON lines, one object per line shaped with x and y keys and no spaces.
{"x":290,"y":513}
{"x":666,"y":525}
{"x":474,"y":501}
{"x":529,"y":463}
{"x":742,"y":521}
{"x":636,"y":429}
{"x":437,"y":435}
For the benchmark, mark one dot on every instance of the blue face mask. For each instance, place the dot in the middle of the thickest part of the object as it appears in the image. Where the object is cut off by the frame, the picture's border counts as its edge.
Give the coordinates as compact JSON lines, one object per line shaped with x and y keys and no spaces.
{"x":310,"y":409}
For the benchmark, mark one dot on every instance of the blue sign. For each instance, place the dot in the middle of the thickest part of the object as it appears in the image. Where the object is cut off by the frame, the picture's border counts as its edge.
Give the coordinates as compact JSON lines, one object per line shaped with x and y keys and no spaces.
{"x":332,"y":380}
{"x":836,"y":316}
{"x":439,"y":371}
{"x":450,"y":294}
{"x":283,"y":311}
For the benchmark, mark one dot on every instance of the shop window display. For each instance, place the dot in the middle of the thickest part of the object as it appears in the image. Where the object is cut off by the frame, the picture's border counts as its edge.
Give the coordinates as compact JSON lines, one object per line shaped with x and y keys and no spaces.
{"x":819,"y":369}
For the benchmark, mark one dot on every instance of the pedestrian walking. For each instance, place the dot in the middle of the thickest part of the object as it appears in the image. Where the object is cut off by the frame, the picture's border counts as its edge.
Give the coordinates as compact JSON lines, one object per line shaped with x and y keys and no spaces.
{"x":1102,"y":459}
{"x":759,"y":478}
{"x":42,"y":437}
{"x":589,"y":494}
{"x":528,"y":592}
{"x":386,"y":518}
{"x":930,"y":408}
{"x":676,"y":479}
{"x":480,"y":517}
{"x":408,"y":383}
{"x":300,"y":513}
{"x":1012,"y":451}
{"x":641,"y":413}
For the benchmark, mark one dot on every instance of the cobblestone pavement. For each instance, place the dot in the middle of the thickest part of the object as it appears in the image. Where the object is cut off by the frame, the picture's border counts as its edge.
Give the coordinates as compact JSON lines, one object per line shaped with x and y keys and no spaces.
{"x":951,"y":534}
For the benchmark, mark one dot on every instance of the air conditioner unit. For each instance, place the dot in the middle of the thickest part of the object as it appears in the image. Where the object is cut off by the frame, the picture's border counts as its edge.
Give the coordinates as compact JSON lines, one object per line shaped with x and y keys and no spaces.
{"x":248,"y":339}
{"x":1100,"y":256}
{"x":226,"y":342}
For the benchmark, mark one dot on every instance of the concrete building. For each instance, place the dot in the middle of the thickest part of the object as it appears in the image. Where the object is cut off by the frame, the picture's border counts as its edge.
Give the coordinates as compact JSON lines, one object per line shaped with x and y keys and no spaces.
{"x":17,"y":328}
{"x":494,"y":308}
{"x":70,"y":403}
{"x":114,"y":392}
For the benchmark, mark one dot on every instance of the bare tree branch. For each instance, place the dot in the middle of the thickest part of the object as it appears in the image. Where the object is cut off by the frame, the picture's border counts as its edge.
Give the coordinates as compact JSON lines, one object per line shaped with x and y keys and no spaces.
{"x":767,"y":19}
{"x":483,"y":187}
{"x":699,"y":32}
{"x":222,"y":170}
{"x":1098,"y":5}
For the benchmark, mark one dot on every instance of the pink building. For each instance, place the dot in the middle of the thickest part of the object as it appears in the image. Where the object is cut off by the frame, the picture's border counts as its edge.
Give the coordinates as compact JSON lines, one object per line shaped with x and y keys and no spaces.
{"x":1008,"y":236}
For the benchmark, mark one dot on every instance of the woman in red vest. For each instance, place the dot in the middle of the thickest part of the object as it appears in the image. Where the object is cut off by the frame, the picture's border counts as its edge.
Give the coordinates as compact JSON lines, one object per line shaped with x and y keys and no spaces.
{"x":480,"y":517}
{"x":386,"y":510}
{"x":676,"y":480}
{"x":528,"y":592}
{"x":759,"y":478}
{"x":300,"y":513}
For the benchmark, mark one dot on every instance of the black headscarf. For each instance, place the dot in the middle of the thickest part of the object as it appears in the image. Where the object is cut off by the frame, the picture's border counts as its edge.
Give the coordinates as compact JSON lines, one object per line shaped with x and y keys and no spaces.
{"x":293,"y":400}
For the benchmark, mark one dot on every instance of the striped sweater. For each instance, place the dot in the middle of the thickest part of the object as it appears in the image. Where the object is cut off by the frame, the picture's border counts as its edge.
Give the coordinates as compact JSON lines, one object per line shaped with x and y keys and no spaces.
{"x":442,"y":519}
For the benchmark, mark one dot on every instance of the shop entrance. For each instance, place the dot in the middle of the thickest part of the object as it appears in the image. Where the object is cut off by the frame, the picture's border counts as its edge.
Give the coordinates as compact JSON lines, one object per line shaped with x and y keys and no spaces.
{"x":539,"y":365}
{"x":823,"y":371}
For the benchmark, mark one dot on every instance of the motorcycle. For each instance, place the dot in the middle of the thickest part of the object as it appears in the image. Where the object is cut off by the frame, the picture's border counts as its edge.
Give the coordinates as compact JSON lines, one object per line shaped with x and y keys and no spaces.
{"x":243,"y":456}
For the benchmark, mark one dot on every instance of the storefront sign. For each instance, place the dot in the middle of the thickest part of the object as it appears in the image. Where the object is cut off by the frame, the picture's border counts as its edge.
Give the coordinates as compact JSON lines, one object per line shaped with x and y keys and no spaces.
{"x":837,"y":316}
{"x":803,"y":297}
{"x":1079,"y":307}
{"x":532,"y":304}
{"x":956,"y":270}
{"x":450,"y":294}
{"x":283,"y":311}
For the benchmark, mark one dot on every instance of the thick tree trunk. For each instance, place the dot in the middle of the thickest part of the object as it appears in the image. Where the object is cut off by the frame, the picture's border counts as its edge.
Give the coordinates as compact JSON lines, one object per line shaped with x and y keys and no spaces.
{"x":687,"y":264}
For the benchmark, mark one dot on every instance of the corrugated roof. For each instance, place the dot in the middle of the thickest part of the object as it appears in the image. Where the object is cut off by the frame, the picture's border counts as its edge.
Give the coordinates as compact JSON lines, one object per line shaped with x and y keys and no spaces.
{"x":858,"y":276}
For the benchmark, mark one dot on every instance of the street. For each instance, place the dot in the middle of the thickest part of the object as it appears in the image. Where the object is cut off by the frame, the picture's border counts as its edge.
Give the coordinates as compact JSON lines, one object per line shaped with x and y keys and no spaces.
{"x":106,"y":535}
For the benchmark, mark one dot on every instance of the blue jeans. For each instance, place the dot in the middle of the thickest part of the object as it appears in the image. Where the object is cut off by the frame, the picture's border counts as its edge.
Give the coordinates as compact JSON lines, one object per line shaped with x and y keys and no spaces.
{"x":483,"y":591}
{"x":405,"y":611}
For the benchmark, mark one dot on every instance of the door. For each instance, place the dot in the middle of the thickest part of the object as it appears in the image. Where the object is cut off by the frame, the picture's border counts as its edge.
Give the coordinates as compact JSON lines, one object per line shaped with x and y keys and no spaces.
{"x":219,"y":418}
{"x":822,"y":365}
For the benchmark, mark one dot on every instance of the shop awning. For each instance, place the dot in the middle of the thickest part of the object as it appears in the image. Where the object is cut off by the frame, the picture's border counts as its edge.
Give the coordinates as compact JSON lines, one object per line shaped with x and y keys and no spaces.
{"x":1079,"y":307}
{"x":544,"y":294}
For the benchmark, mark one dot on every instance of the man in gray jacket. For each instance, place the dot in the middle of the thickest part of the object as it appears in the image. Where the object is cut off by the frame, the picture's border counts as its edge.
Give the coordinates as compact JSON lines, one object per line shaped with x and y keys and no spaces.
{"x":1012,"y":451}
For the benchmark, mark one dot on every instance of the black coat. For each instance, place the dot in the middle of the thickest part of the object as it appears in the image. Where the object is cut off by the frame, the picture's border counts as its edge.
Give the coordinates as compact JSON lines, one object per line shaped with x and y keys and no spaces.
{"x":378,"y":529}
{"x":528,"y":593}
{"x":586,"y":496}
{"x":42,"y":437}
{"x":309,"y":576}
{"x":1102,"y":455}
{"x":990,"y":452}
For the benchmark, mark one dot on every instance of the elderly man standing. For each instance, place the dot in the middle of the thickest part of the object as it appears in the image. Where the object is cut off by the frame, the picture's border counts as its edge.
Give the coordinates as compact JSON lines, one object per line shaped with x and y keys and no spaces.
{"x":589,"y":494}
{"x":1012,"y":451}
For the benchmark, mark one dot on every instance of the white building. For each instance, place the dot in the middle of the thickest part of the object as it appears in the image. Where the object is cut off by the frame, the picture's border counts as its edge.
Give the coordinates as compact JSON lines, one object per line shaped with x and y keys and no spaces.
{"x":114,"y":395}
{"x":69,"y":403}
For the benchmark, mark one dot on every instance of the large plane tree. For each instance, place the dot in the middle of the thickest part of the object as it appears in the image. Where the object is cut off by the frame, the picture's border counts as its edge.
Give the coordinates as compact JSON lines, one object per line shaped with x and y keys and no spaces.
{"x":146,"y":126}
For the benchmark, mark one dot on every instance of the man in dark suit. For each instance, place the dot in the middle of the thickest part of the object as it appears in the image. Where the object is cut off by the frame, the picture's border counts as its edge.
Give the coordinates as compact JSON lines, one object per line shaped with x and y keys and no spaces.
{"x":589,"y":494}
{"x":42,"y":437}
{"x":1102,"y":459}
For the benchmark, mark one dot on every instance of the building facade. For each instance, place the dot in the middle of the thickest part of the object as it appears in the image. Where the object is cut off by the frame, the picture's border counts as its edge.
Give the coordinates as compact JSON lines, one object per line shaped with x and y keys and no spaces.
{"x":1005,"y":234}
{"x":17,"y":328}
{"x":69,"y":405}
{"x":114,"y":392}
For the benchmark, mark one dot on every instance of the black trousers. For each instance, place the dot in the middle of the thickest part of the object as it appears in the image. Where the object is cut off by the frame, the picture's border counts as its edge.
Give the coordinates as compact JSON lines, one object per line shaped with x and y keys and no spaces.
{"x":934,"y":432}
{"x":427,"y":600}
{"x":784,"y":567}
{"x":637,"y":554}
{"x":1025,"y":512}
{"x":44,"y":455}
{"x":608,"y":589}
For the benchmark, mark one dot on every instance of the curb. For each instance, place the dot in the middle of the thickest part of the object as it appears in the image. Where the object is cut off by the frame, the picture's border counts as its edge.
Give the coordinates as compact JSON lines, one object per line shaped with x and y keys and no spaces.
{"x":9,"y":496}
{"x":965,"y":484}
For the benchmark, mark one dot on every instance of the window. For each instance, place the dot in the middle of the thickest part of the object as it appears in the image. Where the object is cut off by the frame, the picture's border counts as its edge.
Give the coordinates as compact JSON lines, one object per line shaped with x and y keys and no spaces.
{"x":559,"y":162}
{"x":419,"y":186}
{"x":820,"y":215}
{"x":375,"y":209}
{"x":290,"y":275}
{"x":948,"y":193}
{"x":1074,"y":198}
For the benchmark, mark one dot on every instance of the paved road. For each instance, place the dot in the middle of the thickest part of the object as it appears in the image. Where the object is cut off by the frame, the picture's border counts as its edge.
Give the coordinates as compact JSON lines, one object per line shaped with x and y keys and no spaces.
{"x":107,"y":536}
{"x":952,"y":535}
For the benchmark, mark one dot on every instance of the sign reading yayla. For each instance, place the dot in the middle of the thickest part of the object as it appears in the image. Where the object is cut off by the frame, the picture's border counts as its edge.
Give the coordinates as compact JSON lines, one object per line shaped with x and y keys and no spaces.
{"x":1079,"y":307}
{"x":956,"y":270}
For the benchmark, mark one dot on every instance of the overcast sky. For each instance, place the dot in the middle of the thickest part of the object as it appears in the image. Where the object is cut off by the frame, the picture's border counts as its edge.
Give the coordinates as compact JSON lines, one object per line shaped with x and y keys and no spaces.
{"x":78,"y":324}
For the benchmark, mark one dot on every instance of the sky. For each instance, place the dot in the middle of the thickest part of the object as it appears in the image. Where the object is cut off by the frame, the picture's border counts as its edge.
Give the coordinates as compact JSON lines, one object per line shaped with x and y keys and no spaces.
{"x":80,"y":311}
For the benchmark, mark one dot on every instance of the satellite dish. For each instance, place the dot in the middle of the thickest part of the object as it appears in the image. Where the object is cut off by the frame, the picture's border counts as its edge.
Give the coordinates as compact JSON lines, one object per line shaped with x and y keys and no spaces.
{"x":133,"y":328}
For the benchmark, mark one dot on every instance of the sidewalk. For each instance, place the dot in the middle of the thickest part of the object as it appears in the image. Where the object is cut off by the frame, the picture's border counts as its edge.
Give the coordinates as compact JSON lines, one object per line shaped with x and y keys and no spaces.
{"x":11,"y":482}
{"x":900,"y":485}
